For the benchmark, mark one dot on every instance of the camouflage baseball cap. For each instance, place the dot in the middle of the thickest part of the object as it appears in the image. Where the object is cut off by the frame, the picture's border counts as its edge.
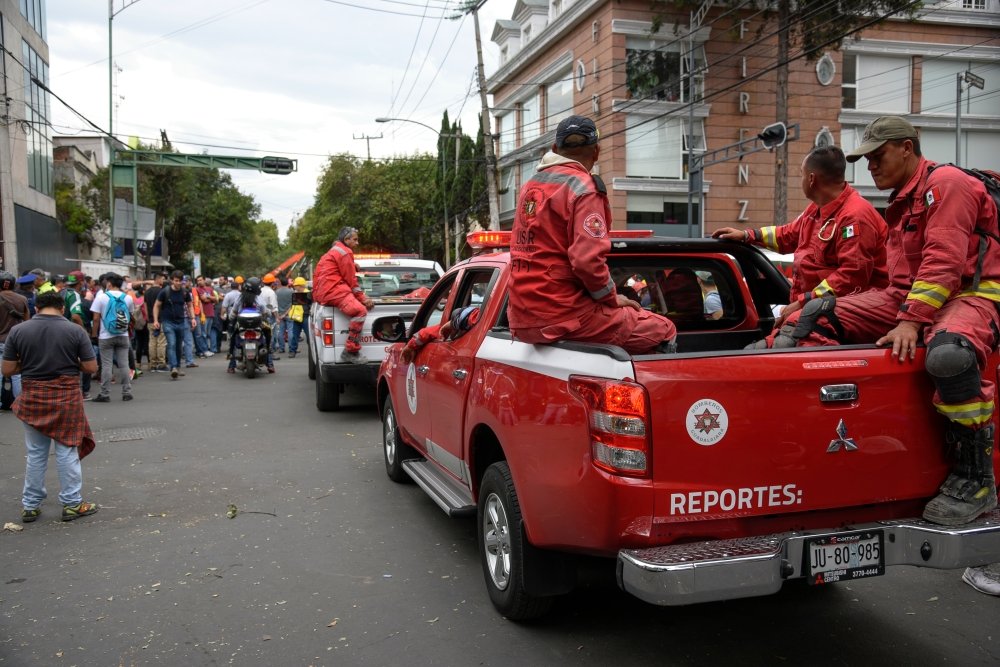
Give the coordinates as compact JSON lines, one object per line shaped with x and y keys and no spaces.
{"x":880,"y":131}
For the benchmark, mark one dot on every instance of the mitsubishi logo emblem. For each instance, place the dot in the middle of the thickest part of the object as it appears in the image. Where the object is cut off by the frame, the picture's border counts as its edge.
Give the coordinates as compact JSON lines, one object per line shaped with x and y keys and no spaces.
{"x":842,"y":440}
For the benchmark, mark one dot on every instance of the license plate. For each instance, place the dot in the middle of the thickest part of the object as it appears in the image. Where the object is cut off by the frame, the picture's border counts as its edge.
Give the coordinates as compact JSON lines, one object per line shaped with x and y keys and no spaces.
{"x":845,"y":557}
{"x":250,"y":349}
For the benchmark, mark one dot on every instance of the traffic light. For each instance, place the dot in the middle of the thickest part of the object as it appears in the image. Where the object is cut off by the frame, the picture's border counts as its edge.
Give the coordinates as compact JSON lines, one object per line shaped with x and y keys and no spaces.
{"x":773,"y":135}
{"x":278,"y":165}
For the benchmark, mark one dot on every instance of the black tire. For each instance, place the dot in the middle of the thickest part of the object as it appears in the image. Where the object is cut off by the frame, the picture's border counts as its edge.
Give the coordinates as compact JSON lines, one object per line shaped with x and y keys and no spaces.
{"x":327,"y":395}
{"x":311,"y":366}
{"x":394,"y":449}
{"x":250,"y":369}
{"x":501,"y":550}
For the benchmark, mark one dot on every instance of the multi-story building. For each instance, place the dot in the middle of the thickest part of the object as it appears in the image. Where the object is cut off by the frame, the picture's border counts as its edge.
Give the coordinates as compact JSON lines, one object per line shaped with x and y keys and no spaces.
{"x":31,"y":235}
{"x":601,"y":58}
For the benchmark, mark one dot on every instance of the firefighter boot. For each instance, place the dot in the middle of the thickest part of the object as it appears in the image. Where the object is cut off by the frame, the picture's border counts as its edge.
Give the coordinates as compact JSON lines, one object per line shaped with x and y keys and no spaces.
{"x":970,"y":489}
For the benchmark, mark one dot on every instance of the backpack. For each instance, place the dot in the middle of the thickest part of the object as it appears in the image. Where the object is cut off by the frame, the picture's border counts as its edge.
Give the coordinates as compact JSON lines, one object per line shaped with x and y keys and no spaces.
{"x":116,"y":316}
{"x":991,"y":181}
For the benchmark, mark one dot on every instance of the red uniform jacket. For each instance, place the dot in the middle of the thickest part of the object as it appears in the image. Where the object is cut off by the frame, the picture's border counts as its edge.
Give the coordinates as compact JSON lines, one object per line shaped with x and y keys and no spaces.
{"x":335,"y":277}
{"x":933,"y":250}
{"x":839,"y":247}
{"x":558,"y":247}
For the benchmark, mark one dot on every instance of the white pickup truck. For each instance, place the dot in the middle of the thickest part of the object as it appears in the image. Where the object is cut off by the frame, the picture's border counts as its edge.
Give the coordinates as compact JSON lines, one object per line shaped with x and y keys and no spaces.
{"x":397,"y":284}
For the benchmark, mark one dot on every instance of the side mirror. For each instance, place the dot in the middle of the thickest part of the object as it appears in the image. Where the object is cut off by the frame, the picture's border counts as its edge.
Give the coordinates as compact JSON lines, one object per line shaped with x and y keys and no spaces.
{"x":389,"y":329}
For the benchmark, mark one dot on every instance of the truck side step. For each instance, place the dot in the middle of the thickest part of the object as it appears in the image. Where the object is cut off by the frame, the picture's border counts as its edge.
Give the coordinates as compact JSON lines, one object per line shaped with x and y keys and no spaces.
{"x":452,"y":497}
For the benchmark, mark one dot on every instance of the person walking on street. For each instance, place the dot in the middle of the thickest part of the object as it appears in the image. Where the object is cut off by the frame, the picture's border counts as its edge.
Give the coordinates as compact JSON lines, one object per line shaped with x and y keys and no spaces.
{"x":283,"y":295}
{"x":172,"y":314}
{"x":336,"y":284}
{"x":157,"y":341}
{"x":561,"y":287}
{"x":50,"y":352}
{"x":298,"y":314}
{"x":13,"y":311}
{"x":112,"y":310}
{"x":26,"y":288}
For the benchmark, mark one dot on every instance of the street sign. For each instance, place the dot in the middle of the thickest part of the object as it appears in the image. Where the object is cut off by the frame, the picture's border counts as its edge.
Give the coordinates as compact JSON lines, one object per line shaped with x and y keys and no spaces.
{"x":974,"y":80}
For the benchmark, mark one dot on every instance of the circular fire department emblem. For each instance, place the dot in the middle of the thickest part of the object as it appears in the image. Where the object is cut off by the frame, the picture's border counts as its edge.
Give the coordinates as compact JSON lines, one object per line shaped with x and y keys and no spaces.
{"x":594,"y":225}
{"x":707,"y":422}
{"x":411,"y":388}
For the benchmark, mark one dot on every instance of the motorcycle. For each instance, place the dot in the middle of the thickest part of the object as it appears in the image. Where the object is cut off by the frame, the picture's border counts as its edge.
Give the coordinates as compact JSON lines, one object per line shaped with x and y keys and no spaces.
{"x":251,"y":353}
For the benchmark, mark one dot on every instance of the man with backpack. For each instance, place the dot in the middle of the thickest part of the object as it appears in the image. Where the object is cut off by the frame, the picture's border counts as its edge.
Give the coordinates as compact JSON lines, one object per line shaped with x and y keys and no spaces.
{"x":113,"y":309}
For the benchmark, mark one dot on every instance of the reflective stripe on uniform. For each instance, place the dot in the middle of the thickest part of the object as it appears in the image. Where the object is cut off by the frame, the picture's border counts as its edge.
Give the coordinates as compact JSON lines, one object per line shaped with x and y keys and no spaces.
{"x":768,"y":238}
{"x":932,"y":294}
{"x":988,"y":289}
{"x":967,"y":414}
{"x":342,"y":251}
{"x":604,"y":291}
{"x":823,"y":288}
{"x":572,"y":182}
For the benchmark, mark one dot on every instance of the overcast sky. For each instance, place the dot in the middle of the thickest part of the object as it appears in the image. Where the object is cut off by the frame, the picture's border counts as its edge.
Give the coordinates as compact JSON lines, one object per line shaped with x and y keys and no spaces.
{"x":297,"y":78}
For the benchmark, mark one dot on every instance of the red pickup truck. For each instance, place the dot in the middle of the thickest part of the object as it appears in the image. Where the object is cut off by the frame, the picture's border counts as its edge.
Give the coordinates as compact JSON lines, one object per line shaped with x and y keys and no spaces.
{"x":710,"y":474}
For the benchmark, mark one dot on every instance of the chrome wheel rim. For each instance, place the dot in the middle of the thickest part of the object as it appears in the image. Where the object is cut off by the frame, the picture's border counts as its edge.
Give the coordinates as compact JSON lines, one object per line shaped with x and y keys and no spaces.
{"x":389,"y":436}
{"x":496,"y":538}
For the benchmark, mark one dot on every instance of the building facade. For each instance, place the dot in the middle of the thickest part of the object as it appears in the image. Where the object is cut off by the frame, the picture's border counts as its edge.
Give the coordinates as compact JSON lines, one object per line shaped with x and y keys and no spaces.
{"x":601,"y":58}
{"x":32,"y":237}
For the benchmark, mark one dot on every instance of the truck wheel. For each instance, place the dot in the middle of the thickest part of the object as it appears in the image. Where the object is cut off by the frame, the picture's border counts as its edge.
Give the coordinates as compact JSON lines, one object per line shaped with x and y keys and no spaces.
{"x":327,"y":395}
{"x":311,"y":366}
{"x":396,"y":451}
{"x":501,"y":550}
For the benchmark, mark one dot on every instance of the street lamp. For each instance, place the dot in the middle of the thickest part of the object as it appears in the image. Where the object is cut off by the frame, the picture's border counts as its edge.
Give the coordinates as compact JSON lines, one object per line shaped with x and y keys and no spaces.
{"x":971,"y":80}
{"x":111,"y":138}
{"x":444,"y":197}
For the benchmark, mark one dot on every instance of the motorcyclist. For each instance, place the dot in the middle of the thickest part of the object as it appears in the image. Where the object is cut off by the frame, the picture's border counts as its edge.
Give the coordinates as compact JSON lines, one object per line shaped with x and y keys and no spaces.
{"x":250,"y":299}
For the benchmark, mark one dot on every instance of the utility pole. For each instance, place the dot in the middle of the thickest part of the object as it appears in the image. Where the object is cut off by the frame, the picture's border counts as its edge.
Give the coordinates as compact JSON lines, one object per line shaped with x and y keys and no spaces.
{"x":491,"y":169}
{"x":368,"y":141}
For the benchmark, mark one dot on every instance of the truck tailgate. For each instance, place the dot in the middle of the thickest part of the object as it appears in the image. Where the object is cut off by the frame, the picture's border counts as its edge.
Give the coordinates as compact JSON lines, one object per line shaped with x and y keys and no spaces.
{"x":754,"y":435}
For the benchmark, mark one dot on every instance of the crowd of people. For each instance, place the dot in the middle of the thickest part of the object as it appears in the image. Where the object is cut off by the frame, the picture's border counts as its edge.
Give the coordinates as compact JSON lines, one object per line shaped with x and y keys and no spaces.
{"x":171,"y":322}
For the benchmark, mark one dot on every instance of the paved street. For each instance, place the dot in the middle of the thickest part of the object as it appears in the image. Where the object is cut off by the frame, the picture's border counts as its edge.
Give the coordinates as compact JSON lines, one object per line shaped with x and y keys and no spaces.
{"x":329,"y":563}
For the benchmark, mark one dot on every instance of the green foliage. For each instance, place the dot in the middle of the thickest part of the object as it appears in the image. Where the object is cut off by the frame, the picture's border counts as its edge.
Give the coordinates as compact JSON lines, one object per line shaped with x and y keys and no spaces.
{"x":72,"y":211}
{"x":201,"y":210}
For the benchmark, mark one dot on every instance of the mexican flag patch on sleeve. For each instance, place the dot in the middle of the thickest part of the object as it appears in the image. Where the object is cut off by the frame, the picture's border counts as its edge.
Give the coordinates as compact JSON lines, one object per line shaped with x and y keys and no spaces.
{"x":933,"y":196}
{"x":847,"y":232}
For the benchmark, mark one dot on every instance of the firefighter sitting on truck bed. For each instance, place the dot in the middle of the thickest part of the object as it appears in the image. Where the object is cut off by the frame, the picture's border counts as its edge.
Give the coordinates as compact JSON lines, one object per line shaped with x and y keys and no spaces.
{"x":336,"y":284}
{"x":561,"y":287}
{"x":944,"y":289}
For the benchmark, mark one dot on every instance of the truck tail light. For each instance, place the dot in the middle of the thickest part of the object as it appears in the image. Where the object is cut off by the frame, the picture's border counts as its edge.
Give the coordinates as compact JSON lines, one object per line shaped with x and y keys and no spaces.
{"x":618,"y":411}
{"x":327,"y":327}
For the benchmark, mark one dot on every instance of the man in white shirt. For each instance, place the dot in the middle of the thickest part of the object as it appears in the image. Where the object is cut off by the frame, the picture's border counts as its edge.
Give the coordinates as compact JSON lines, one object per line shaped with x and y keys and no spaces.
{"x":113,"y":343}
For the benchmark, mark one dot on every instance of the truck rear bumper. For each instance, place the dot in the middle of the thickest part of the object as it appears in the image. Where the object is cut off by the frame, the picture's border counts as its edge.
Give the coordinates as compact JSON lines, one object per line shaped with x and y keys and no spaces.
{"x":747,"y":567}
{"x":348,"y":373}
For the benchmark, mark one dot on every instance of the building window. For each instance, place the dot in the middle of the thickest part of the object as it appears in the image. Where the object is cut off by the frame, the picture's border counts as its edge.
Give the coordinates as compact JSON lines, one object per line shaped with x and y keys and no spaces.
{"x":653,"y":147}
{"x":529,"y":120}
{"x":659,"y":69}
{"x":528,"y":169}
{"x":36,"y":113}
{"x":559,"y":99}
{"x":508,"y":193}
{"x":507,"y":132}
{"x":937,"y":88}
{"x":876,"y":83}
{"x":34,"y":12}
{"x":666,"y":215}
{"x":849,"y":85}
{"x":975,"y":5}
{"x":698,"y":139}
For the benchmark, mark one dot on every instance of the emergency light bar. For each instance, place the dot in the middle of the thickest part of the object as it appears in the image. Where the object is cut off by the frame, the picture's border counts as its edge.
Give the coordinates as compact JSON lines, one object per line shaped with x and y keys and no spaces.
{"x":481,"y":240}
{"x":386,"y":255}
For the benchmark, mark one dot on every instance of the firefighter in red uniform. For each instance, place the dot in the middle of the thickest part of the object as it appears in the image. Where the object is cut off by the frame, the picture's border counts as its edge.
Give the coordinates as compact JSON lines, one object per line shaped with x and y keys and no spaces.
{"x":838,"y":241}
{"x":944,"y":287}
{"x":561,"y":288}
{"x":335,"y":284}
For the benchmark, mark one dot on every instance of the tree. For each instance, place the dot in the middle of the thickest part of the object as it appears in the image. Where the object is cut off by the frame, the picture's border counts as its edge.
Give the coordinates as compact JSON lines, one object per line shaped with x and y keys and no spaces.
{"x":811,"y":27}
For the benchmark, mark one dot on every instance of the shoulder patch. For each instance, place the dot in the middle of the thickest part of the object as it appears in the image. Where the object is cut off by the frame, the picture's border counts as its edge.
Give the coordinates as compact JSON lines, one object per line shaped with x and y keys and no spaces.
{"x":933,"y":196}
{"x":847,"y":232}
{"x":594,"y":225}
